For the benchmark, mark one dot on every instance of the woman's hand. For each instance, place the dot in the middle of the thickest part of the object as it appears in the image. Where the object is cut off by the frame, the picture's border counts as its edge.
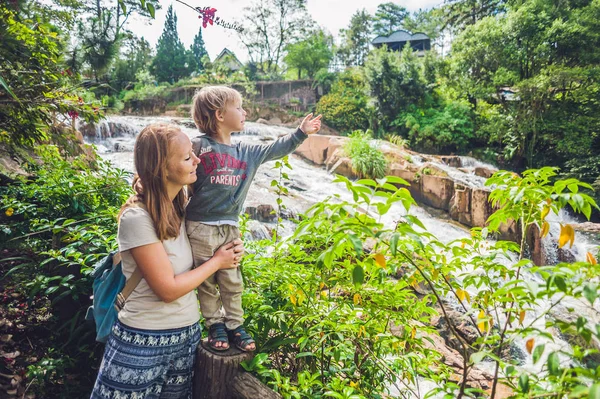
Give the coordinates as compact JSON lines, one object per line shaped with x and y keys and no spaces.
{"x":239,"y":250}
{"x":230,"y":254}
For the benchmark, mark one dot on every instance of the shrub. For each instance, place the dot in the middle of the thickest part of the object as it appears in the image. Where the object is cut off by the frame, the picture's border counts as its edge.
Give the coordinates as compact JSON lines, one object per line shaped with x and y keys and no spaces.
{"x":58,"y":223}
{"x":346,"y":107}
{"x":367,"y":159}
{"x":439,"y":130}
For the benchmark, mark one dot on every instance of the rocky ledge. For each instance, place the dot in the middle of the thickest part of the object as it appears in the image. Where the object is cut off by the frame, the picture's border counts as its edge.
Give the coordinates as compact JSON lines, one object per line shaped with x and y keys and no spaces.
{"x":430,"y":182}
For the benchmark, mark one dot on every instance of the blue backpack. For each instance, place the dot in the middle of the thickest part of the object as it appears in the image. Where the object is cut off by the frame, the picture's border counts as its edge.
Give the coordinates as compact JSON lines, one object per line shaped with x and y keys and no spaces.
{"x":110,"y":293}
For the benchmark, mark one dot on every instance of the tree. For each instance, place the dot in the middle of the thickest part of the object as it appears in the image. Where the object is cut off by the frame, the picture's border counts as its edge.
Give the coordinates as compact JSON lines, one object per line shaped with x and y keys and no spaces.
{"x":430,"y":22}
{"x":310,"y":55}
{"x":37,"y":91}
{"x":356,"y":39}
{"x":269,"y":27}
{"x":547,"y":58}
{"x":389,"y":17}
{"x":199,"y":50}
{"x":461,"y":13}
{"x":101,"y":27}
{"x":396,"y":81}
{"x":137,"y":57}
{"x":172,"y":61}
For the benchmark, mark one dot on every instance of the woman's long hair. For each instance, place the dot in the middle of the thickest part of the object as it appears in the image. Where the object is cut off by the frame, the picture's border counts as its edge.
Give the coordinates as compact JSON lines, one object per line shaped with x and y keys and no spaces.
{"x":151,"y":154}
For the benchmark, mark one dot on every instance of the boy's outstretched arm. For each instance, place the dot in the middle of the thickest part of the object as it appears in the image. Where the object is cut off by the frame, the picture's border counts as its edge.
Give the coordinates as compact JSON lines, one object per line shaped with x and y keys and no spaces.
{"x":310,"y":125}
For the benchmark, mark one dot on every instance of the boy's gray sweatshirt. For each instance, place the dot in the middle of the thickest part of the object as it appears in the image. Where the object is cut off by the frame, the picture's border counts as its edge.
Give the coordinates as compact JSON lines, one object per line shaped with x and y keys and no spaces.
{"x":226,"y":171}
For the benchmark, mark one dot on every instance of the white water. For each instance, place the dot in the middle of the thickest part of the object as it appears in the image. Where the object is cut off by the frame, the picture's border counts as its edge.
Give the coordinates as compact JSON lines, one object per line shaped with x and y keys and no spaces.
{"x":309,"y":184}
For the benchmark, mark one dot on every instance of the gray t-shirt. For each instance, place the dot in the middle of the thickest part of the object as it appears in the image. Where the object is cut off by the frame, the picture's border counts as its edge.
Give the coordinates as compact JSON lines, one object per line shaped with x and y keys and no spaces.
{"x":144,"y":309}
{"x":226,"y":171}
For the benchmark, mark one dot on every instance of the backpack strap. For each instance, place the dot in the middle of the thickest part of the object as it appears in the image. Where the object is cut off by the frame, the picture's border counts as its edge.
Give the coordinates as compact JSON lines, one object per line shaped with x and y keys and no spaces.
{"x":130,"y":285}
{"x":133,"y":281}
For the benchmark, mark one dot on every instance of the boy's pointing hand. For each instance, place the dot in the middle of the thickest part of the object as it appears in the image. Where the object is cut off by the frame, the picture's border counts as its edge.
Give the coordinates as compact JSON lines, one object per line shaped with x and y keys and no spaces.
{"x":311,"y":126}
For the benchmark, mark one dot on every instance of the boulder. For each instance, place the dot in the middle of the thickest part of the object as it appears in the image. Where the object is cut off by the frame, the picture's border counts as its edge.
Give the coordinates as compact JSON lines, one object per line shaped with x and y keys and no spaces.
{"x":460,"y":204}
{"x":262,"y":120}
{"x":481,"y":209}
{"x":315,"y":148}
{"x":484,"y":172}
{"x":451,"y":160}
{"x":588,"y":227}
{"x":437,"y":191}
{"x":341,"y":166}
{"x":262,"y":213}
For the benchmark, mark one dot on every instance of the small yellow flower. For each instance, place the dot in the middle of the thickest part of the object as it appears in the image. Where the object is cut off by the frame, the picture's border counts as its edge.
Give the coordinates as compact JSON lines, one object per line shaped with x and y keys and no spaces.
{"x":353,"y":384}
{"x":9,"y":212}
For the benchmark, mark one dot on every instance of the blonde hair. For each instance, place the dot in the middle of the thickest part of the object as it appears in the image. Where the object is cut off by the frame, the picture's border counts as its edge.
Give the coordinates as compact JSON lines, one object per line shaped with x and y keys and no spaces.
{"x":151,"y":154}
{"x":207,"y":101}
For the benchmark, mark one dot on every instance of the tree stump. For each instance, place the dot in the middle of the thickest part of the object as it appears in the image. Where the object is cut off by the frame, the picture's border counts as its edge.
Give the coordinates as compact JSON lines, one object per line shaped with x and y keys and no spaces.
{"x":218,"y":375}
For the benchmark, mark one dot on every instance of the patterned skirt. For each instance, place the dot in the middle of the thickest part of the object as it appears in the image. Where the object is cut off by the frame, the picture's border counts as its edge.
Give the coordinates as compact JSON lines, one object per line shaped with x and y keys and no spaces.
{"x":147,"y":364}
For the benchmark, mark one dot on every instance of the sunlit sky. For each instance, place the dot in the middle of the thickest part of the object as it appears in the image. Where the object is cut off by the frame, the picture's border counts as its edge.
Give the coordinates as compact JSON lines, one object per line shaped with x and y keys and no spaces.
{"x":329,"y":14}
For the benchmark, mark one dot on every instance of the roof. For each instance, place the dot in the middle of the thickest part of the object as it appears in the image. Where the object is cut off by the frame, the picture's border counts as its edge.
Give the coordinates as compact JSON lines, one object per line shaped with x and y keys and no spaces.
{"x":400,"y":36}
{"x":226,"y":52}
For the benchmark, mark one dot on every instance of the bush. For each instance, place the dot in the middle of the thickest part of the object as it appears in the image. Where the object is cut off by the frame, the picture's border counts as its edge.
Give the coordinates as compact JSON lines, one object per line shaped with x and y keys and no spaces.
{"x":367,"y":159}
{"x":346,"y":106}
{"x":439,"y":130}
{"x":396,"y":82}
{"x":55,"y":226}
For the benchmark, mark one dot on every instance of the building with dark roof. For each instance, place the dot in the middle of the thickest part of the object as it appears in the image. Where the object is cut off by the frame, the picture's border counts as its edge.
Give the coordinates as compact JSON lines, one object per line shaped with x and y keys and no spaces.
{"x":419,"y":42}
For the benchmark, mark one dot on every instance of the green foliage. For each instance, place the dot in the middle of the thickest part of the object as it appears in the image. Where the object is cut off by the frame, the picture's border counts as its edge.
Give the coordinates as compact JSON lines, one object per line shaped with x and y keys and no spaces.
{"x":346,"y":106}
{"x":367,"y":159}
{"x":172,"y":61}
{"x":61,"y":221}
{"x":199,"y":50}
{"x":323,"y":309}
{"x":547,"y":94}
{"x":388,"y":18}
{"x":429,"y":22}
{"x":356,"y":39}
{"x":395,"y":81}
{"x":442,"y":130}
{"x":269,"y":27}
{"x":136,"y":59}
{"x":320,"y":307}
{"x":310,"y":55}
{"x":36,"y":89}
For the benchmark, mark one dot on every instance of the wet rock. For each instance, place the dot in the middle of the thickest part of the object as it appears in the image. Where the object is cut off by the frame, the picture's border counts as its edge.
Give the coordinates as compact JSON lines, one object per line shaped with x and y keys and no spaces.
{"x":460,"y":204}
{"x":451,"y":160}
{"x":274,"y":121}
{"x":122,"y":147}
{"x":477,"y":377}
{"x":315,"y":149}
{"x":262,"y":120}
{"x":256,"y":231}
{"x":262,"y":213}
{"x":566,"y":255}
{"x":535,"y":246}
{"x":588,"y":227}
{"x":463,"y":326}
{"x":341,"y":166}
{"x":437,"y":191}
{"x":481,"y":208}
{"x":484,"y":172}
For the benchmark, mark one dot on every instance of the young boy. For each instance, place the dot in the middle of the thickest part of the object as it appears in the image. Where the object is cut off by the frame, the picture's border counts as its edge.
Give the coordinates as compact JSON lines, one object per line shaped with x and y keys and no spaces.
{"x":224,"y":176}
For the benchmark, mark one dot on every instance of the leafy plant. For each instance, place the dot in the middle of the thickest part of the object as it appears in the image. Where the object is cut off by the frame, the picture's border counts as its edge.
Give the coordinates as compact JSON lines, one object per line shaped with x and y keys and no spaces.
{"x":367,"y":159}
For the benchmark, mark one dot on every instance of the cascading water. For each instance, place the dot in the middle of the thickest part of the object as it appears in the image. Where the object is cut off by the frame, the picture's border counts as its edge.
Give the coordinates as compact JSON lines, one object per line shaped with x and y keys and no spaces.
{"x":309,"y":184}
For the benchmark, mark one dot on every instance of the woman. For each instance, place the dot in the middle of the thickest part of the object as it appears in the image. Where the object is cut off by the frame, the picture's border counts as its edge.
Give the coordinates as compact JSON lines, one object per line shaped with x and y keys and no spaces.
{"x":150,"y":352}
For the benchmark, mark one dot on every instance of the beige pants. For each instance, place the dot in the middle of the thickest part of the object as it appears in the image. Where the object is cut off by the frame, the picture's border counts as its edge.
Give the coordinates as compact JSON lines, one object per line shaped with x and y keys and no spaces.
{"x":222,"y":304}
